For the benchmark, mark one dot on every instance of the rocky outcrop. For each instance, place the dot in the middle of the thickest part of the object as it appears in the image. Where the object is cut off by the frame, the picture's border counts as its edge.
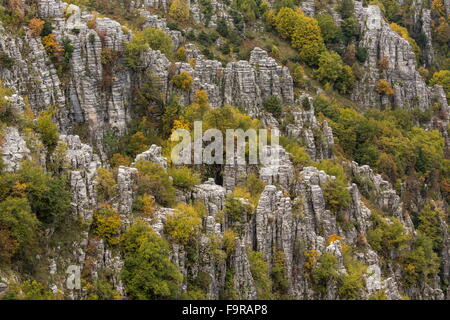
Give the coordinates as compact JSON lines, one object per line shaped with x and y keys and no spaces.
{"x":389,"y":58}
{"x":277,"y":167}
{"x":83,"y":170}
{"x":303,"y":125}
{"x":242,"y":83}
{"x":14,"y":150}
{"x":153,"y":155}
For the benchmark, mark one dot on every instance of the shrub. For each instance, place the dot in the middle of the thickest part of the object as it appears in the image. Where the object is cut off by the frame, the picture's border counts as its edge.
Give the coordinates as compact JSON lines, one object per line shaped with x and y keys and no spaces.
{"x":184,"y":225}
{"x":421,"y":264}
{"x":180,"y":54}
{"x":430,"y":226}
{"x":154,"y":180}
{"x":299,"y":155}
{"x":324,"y":271}
{"x":280,"y":283}
{"x":107,"y":224}
{"x":179,"y":10}
{"x":118,"y":160}
{"x":236,"y":211}
{"x":47,"y":29}
{"x":18,"y":226}
{"x":48,"y":131}
{"x":184,"y":178}
{"x":6,"y":61}
{"x":183,"y":81}
{"x":273,"y":105}
{"x":222,"y":27}
{"x":153,"y":38}
{"x":36,"y":26}
{"x":298,"y":76}
{"x":106,"y":185}
{"x":352,"y":284}
{"x":384,"y":88}
{"x":442,"y":78}
{"x":48,"y":196}
{"x":388,"y":234}
{"x":146,"y":205}
{"x":260,"y":272}
{"x":337,"y":196}
{"x":148,"y":273}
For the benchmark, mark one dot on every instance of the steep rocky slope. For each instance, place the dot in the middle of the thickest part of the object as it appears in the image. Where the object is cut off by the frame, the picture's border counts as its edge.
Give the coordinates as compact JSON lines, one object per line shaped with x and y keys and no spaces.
{"x":291,"y":224}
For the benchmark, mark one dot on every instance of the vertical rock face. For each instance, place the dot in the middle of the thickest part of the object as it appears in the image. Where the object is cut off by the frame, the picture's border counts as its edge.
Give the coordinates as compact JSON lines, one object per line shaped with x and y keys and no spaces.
{"x":318,"y":137}
{"x":398,"y":60}
{"x":212,"y":195}
{"x":83,"y":164}
{"x":277,"y":167}
{"x":154,"y":4}
{"x":243,"y":83}
{"x":14,"y":150}
{"x":126,"y":179}
{"x":386,"y":197}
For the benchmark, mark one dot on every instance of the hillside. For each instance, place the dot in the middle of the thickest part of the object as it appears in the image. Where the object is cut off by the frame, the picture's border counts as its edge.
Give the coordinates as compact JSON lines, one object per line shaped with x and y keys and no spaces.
{"x":355,"y":208}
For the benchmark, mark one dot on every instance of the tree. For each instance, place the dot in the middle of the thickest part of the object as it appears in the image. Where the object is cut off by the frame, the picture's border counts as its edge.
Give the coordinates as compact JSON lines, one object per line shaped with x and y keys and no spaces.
{"x":18,"y":224}
{"x":179,"y":10}
{"x":330,"y":67}
{"x":442,"y":78}
{"x":148,"y":272}
{"x":286,"y":20}
{"x":330,"y":31}
{"x":346,"y":9}
{"x":48,"y":131}
{"x":106,"y":185}
{"x":307,"y":38}
{"x":183,"y":81}
{"x":36,"y":26}
{"x":273,"y":105}
{"x":337,"y":196}
{"x":107,"y":224}
{"x":350,"y":29}
{"x":184,"y":178}
{"x":154,"y":180}
{"x":332,"y":70}
{"x":384,"y":88}
{"x":184,"y":225}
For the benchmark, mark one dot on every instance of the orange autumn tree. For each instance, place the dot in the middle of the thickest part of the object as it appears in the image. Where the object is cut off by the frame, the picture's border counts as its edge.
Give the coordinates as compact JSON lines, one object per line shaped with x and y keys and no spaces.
{"x":36,"y":26}
{"x":52,"y":47}
{"x":383,"y":87}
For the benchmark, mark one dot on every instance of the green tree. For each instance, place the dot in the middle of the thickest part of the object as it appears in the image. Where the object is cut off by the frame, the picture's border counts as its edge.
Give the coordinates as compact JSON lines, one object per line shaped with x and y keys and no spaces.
{"x":331,"y":32}
{"x":154,"y":179}
{"x":148,"y":273}
{"x":22,"y":225}
{"x":442,"y":78}
{"x":184,"y":178}
{"x":273,"y":105}
{"x":48,"y":131}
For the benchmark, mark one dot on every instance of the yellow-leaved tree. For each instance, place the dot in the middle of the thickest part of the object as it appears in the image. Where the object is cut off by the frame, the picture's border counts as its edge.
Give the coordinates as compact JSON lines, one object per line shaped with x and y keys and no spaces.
{"x":179,"y":10}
